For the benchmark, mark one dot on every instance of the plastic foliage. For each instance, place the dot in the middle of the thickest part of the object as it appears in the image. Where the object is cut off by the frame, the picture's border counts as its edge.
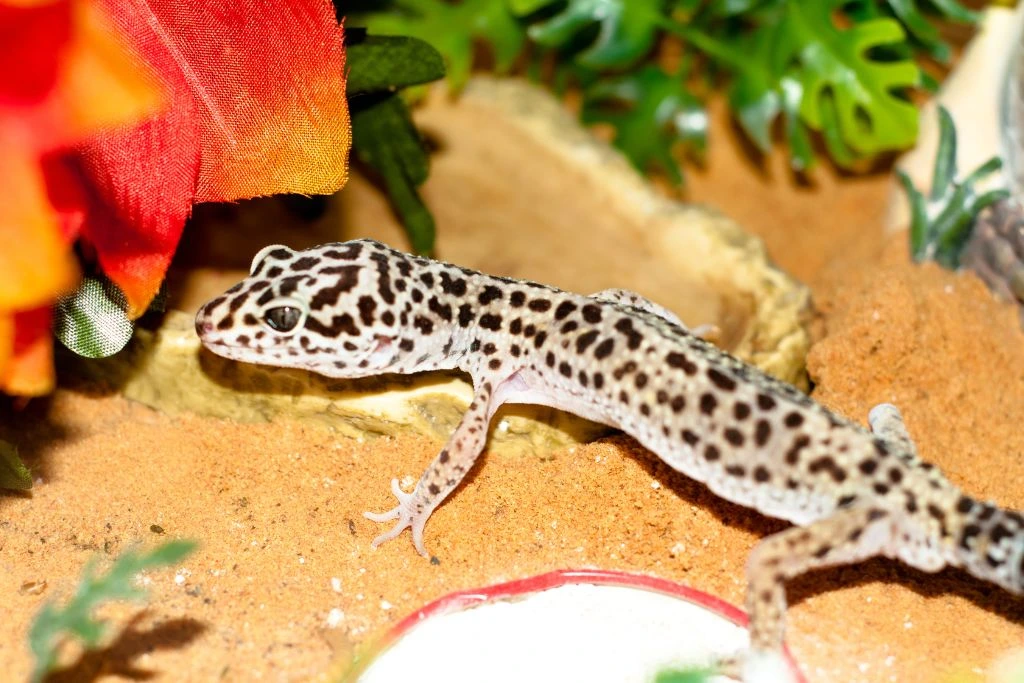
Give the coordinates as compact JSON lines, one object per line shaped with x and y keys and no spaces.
{"x":93,"y":320}
{"x":941,"y":223}
{"x":13,"y":473}
{"x":839,"y":68}
{"x":383,"y":135}
{"x":693,"y":675}
{"x":631,"y":102}
{"x":453,"y":28}
{"x":54,"y":626}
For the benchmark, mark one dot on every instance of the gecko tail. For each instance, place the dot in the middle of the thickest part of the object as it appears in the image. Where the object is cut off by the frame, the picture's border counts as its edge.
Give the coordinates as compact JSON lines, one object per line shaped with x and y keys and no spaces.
{"x":991,"y":543}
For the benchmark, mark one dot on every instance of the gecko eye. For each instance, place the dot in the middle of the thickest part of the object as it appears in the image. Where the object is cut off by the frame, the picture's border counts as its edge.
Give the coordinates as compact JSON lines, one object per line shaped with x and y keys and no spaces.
{"x":283,"y":318}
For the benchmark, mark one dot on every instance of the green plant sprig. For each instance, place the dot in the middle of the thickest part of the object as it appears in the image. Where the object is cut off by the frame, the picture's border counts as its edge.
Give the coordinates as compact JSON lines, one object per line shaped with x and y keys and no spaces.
{"x":53,"y":626}
{"x":941,"y":223}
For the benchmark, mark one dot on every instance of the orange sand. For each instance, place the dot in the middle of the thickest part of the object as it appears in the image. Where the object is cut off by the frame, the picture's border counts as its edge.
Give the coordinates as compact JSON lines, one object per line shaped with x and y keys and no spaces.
{"x":278,"y":506}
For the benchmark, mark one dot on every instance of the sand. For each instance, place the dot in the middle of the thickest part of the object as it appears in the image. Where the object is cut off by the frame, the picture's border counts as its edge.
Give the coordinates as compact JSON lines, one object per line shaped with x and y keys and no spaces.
{"x":278,"y":506}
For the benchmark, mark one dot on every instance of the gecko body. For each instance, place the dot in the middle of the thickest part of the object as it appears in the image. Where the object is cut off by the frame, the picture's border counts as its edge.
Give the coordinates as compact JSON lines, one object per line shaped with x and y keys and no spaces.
{"x":360,"y":308}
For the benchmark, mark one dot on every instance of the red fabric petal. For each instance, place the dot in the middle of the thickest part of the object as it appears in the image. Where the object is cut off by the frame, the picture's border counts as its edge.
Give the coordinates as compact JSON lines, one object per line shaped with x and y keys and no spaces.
{"x":258,"y":107}
{"x":143,"y":184}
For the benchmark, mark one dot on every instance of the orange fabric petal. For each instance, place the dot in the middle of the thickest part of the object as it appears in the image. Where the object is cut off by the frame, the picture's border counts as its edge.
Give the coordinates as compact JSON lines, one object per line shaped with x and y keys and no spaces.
{"x":29,"y":370}
{"x":35,"y":259}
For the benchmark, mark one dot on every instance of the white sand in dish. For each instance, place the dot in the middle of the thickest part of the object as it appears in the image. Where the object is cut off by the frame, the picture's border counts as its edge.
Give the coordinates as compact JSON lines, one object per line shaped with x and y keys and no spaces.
{"x":577,"y":632}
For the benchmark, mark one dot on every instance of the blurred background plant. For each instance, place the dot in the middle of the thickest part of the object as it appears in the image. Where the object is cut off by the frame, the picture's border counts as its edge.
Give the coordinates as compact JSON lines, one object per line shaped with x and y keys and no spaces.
{"x":54,"y":627}
{"x":844,"y":70}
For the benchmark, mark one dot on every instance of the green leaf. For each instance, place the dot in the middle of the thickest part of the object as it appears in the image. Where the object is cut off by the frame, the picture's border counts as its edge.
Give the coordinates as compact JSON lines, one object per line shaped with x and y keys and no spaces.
{"x":836,"y":64}
{"x":627,"y":30}
{"x":53,"y":626}
{"x":92,"y":321}
{"x":523,"y":7}
{"x":384,"y":138}
{"x":452,"y":30}
{"x":941,"y":225}
{"x":378,"y":63}
{"x":754,"y":93}
{"x":13,"y":473}
{"x":693,"y":675}
{"x":651,"y":111}
{"x":801,"y":150}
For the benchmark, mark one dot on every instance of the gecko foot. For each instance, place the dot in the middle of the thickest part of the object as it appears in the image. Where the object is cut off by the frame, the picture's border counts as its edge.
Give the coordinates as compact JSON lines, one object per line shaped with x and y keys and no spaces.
{"x":756,"y":666}
{"x":407,"y":517}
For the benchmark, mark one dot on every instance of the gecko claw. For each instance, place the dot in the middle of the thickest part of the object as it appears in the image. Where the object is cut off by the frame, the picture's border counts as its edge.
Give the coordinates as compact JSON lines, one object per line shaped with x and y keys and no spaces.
{"x":407,"y":517}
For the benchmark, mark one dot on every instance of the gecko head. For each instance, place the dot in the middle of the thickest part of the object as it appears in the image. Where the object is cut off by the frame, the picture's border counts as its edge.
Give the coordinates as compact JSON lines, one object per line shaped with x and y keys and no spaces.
{"x":331,"y":309}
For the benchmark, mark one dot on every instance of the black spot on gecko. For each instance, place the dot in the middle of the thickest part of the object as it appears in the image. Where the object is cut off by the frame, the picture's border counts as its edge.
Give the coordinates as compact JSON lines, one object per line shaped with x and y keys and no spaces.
{"x":690,"y":437}
{"x":423,"y":324}
{"x":454,"y":286}
{"x":568,"y":327}
{"x":604,"y":349}
{"x":565,"y":369}
{"x":517,"y":299}
{"x":585,"y":340}
{"x":406,"y":344}
{"x":762,"y":432}
{"x":539,"y":305}
{"x":741,"y":411}
{"x":640,"y":380}
{"x":736,"y":470}
{"x":734,"y":436}
{"x":427,"y":279}
{"x":388,"y":318}
{"x":708,"y":403}
{"x":443,"y":311}
{"x":304,"y":263}
{"x":678,"y":360}
{"x":793,"y":420}
{"x":367,"y":305}
{"x":488,"y":294}
{"x":761,"y":474}
{"x":494,"y":363}
{"x":793,"y":455}
{"x":489,"y":321}
{"x":516,"y":326}
{"x":550,"y":359}
{"x":538,"y":341}
{"x":678,"y":403}
{"x":765,"y":402}
{"x":591,"y":313}
{"x":598,"y":380}
{"x":465,"y":315}
{"x":712,"y":453}
{"x":564,"y":309}
{"x":633,"y":338}
{"x":721,"y":380}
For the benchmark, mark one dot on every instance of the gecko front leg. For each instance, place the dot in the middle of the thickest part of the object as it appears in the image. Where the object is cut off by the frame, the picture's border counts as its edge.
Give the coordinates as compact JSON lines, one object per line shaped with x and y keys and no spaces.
{"x":444,"y":473}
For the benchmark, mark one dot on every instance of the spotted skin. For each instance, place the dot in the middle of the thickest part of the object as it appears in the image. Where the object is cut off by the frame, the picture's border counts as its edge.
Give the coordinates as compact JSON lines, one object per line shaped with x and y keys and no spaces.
{"x":360,"y":308}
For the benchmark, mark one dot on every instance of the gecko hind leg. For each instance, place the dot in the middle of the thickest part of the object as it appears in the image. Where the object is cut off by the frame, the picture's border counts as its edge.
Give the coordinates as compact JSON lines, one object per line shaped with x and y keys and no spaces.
{"x":626,"y":297}
{"x":443,"y":475}
{"x":887,"y":423}
{"x":848,"y":535}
